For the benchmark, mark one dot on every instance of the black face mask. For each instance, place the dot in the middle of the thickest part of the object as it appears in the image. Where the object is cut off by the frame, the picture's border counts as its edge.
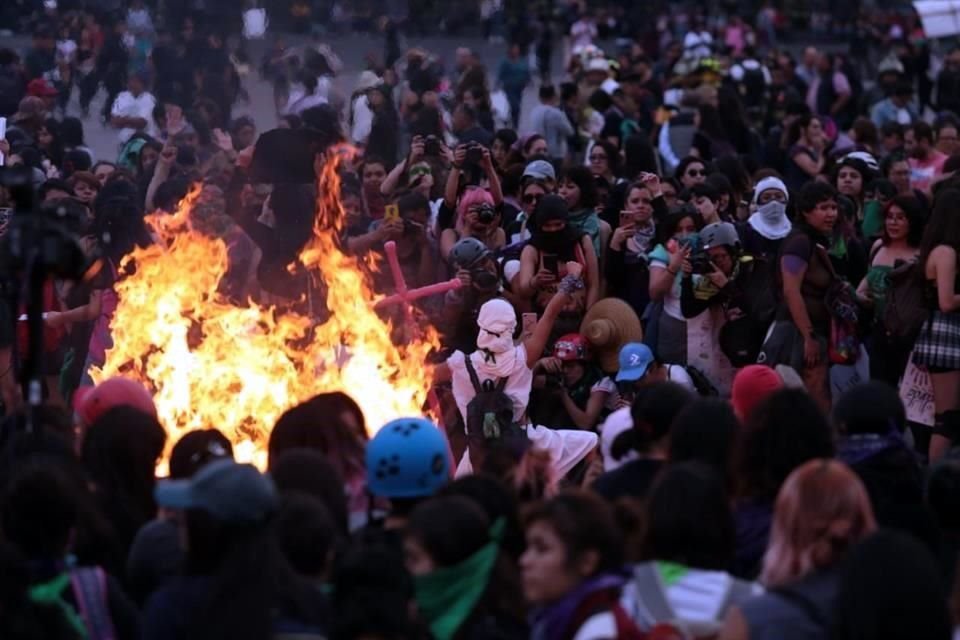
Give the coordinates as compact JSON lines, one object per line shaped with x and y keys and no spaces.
{"x":559,"y":242}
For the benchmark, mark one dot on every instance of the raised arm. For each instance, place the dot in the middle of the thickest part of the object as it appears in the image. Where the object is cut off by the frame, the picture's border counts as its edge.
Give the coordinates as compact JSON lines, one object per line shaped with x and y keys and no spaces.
{"x":536,"y":343}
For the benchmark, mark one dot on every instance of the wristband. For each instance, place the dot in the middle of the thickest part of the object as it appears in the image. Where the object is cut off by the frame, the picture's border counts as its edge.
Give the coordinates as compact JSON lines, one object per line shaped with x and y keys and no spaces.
{"x":570,"y":284}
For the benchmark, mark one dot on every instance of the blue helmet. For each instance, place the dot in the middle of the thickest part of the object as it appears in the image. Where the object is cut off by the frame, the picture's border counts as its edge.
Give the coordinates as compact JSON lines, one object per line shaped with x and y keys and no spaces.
{"x":407,"y":458}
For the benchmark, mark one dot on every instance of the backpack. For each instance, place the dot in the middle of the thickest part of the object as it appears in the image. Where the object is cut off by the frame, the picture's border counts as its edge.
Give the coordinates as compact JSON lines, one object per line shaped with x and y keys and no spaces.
{"x":490,"y":418}
{"x":90,"y":618}
{"x":906,"y":308}
{"x":753,"y":86}
{"x":700,"y":382}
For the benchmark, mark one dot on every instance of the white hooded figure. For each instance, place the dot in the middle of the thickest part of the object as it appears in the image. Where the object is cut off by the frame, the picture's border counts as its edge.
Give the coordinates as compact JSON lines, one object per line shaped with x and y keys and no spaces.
{"x":770,"y":218}
{"x":498,"y":357}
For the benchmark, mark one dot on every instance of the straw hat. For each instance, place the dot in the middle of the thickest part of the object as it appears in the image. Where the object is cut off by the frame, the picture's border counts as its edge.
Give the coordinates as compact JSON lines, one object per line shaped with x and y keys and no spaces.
{"x":608,"y":325}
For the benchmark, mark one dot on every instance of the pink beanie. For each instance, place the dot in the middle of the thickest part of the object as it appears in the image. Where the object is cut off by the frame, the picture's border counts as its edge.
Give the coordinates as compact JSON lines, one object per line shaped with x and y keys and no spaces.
{"x":753,"y":384}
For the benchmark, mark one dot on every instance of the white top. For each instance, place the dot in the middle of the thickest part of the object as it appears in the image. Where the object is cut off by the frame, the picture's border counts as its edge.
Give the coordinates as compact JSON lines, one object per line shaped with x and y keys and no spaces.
{"x":671,"y":301}
{"x":519,"y":381}
{"x":362,"y":120}
{"x":129,"y":106}
{"x":299,"y":100}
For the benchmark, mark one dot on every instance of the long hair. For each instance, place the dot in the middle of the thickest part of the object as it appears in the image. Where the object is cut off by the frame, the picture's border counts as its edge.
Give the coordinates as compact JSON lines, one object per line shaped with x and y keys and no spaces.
{"x":916,"y":215}
{"x":252,"y":580}
{"x":944,"y":224}
{"x":822,"y":510}
{"x":688,"y":518}
{"x":120,"y":452}
{"x":318,"y":424}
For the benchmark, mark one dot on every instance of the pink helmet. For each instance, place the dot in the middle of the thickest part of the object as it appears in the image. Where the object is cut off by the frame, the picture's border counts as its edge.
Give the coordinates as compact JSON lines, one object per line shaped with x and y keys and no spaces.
{"x":92,"y":402}
{"x":571,"y":347}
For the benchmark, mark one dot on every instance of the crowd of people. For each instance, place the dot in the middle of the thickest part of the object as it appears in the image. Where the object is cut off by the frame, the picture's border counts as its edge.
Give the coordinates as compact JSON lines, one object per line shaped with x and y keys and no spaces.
{"x":700,"y":379}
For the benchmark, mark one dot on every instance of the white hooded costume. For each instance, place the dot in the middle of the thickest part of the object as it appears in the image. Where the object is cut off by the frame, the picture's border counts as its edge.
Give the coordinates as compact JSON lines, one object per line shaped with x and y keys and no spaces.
{"x":497,"y":357}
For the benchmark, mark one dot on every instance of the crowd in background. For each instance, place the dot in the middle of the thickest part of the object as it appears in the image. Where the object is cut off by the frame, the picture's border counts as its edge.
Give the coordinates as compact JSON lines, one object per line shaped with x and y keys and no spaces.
{"x":701,"y":273}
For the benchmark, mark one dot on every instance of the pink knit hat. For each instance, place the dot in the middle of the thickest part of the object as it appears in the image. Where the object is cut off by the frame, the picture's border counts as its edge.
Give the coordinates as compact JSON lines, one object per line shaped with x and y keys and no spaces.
{"x":753,"y":384}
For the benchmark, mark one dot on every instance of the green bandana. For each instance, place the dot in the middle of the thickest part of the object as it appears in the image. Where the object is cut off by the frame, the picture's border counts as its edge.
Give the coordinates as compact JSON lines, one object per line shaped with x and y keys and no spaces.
{"x":447,"y":596}
{"x":50,"y":593}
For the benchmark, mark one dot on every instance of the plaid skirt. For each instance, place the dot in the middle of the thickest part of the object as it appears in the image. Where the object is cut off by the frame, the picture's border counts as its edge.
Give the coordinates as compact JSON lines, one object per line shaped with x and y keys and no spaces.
{"x":938,"y":344}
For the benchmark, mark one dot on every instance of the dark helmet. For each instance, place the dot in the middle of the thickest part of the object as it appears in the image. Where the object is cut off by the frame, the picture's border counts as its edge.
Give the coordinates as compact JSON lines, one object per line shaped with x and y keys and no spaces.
{"x":467,"y":253}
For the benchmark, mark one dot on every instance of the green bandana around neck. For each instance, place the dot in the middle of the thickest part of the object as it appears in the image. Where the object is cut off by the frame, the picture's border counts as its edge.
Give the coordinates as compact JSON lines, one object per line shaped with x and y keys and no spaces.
{"x":446,"y":596}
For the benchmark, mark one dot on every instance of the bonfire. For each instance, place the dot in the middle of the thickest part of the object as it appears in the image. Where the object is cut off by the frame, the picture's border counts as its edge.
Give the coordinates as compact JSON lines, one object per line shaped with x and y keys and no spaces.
{"x":211,"y":363}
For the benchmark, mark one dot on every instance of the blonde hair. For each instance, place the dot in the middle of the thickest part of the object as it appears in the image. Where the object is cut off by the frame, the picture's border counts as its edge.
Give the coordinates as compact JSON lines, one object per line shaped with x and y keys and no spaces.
{"x":822,"y":510}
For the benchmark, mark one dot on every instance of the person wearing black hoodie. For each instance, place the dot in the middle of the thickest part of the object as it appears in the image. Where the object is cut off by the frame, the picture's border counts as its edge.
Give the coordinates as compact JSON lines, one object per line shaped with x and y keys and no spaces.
{"x":872,"y":424}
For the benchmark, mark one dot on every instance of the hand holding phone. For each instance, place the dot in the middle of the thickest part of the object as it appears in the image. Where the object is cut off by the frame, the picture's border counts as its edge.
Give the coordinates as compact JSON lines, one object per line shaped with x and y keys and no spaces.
{"x":391,"y":212}
{"x":551,"y":263}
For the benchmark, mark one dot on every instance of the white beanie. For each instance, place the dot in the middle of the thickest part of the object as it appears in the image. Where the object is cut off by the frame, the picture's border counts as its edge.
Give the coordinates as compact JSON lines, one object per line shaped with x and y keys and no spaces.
{"x":771,"y":182}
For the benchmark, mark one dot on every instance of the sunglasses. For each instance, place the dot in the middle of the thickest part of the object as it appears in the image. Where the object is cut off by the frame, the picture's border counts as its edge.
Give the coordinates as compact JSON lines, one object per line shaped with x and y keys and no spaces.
{"x":530,"y":198}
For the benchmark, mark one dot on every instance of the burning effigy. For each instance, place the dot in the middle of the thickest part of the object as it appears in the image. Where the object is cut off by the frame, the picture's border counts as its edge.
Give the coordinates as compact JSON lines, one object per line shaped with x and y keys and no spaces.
{"x":213,"y":363}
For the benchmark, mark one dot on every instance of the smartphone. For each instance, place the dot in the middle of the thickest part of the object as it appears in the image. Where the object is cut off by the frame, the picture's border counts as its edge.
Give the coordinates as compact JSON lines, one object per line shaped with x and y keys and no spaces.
{"x":626,"y":218}
{"x":391,"y":212}
{"x":551,"y":263}
{"x":528,"y":323}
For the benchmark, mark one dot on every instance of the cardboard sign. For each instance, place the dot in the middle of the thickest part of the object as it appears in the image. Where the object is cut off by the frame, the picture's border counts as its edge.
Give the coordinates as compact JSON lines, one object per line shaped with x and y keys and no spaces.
{"x":916,"y":393}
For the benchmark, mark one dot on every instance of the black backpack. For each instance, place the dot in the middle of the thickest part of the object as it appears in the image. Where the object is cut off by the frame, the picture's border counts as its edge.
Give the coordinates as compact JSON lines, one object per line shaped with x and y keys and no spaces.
{"x":490,"y":418}
{"x":906,"y":308}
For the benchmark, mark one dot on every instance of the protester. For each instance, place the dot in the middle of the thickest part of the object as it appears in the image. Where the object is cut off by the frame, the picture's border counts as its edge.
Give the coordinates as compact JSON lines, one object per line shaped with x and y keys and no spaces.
{"x":227,"y":510}
{"x":653,"y":411}
{"x":799,"y":337}
{"x":781,"y":433}
{"x":689,"y":535}
{"x":664,"y":268}
{"x":936,"y":344}
{"x":463,"y":582}
{"x":571,"y":568}
{"x":822,"y":511}
{"x":910,"y":586}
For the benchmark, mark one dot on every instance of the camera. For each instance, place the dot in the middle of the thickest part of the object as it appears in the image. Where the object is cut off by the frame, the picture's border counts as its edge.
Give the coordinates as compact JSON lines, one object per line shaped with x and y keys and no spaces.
{"x":431,"y":146}
{"x":700,"y":262}
{"x":553,"y":381}
{"x":474,"y":154}
{"x":44,"y":238}
{"x":484,"y":280}
{"x":486,"y":213}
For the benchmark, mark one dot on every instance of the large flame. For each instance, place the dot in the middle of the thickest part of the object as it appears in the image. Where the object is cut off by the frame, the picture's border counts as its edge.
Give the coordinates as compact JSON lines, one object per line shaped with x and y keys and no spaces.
{"x":211,"y":363}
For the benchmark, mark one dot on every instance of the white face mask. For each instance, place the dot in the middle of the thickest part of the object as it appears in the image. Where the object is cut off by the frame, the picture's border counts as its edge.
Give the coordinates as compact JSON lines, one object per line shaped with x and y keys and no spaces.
{"x":773,"y":211}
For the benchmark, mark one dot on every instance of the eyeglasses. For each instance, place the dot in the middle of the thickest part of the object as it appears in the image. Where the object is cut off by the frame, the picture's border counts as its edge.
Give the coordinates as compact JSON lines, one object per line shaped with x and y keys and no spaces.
{"x":694,"y":173}
{"x":531,"y":198}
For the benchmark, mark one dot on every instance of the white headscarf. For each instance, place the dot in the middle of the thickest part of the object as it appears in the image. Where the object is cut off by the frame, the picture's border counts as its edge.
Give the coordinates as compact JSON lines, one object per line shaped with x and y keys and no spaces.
{"x":770,"y":219}
{"x":496,"y":353}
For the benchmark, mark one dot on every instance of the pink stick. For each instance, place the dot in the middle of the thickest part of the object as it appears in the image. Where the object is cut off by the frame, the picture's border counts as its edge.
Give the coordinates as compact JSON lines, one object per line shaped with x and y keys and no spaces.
{"x":398,"y":281}
{"x":422,"y":292}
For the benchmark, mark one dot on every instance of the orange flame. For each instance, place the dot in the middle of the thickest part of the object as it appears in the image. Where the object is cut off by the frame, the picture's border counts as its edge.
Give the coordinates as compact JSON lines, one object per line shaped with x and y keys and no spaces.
{"x":211,"y":363}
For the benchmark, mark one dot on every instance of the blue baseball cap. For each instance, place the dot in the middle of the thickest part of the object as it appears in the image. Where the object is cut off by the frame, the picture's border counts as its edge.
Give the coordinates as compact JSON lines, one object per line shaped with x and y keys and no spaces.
{"x":231,"y":492}
{"x":635,"y":358}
